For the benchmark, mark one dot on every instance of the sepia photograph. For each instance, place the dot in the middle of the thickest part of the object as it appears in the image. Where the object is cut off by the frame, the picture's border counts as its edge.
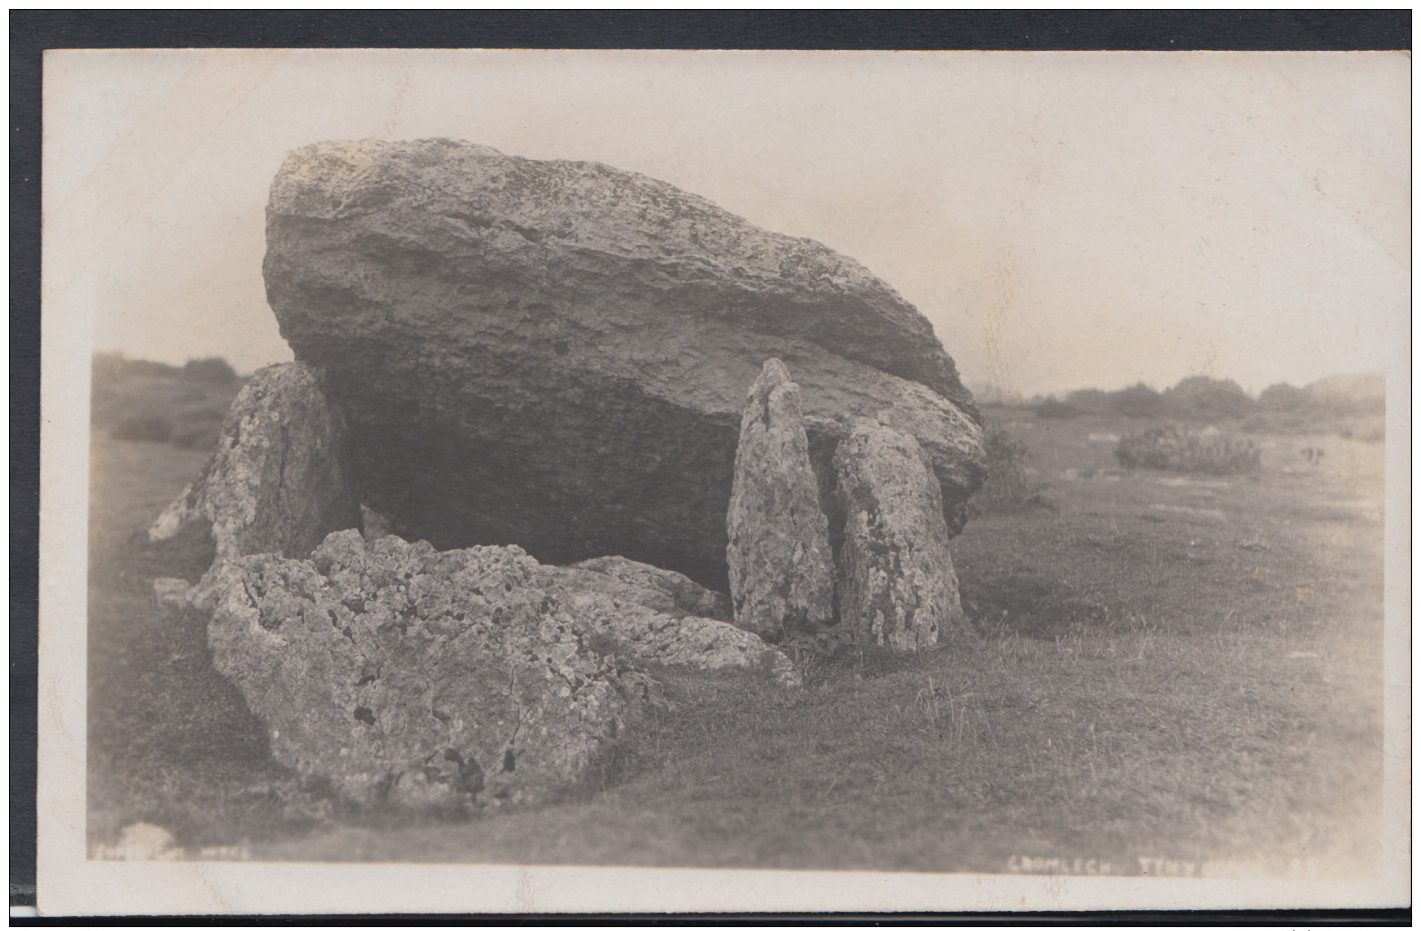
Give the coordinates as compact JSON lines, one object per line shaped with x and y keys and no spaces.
{"x":605,"y":481}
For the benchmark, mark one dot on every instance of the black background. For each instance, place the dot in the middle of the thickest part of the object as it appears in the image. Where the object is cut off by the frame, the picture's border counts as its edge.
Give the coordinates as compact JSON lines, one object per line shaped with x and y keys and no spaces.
{"x":33,"y":31}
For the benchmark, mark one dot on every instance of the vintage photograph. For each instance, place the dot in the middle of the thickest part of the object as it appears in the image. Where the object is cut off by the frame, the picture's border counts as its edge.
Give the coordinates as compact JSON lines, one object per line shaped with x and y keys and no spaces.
{"x":983,"y":474}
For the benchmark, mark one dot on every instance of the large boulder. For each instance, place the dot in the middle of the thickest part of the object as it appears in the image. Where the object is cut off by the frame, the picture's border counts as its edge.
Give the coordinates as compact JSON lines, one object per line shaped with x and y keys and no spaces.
{"x":423,"y":679}
{"x":781,"y":566}
{"x":897,"y":585}
{"x":555,"y":354}
{"x":274,"y":483}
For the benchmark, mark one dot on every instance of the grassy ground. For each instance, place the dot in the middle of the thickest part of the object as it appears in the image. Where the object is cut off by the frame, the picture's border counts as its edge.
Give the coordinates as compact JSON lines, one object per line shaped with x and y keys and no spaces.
{"x":139,"y":405}
{"x":1159,"y":667}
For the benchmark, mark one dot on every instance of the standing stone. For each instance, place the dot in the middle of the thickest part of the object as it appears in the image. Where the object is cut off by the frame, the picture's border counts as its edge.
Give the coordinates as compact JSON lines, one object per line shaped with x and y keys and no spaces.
{"x":274,"y":484}
{"x":781,"y":566}
{"x":897,"y":586}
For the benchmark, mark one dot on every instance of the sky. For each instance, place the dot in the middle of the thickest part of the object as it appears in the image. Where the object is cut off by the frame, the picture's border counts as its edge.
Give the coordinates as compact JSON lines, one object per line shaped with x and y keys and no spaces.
{"x":1065,"y":220}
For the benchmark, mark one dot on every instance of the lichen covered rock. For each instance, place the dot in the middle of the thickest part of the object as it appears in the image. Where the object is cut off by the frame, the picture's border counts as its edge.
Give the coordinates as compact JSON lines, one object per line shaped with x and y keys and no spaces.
{"x":781,"y":566}
{"x":425,"y":679}
{"x":646,"y":624}
{"x":417,"y":678}
{"x":897,"y":586}
{"x":686,"y":596}
{"x":559,"y":350}
{"x":274,"y":483}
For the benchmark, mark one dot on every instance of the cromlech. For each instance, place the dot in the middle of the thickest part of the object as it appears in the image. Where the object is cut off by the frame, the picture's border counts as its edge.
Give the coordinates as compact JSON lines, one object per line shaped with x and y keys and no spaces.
{"x":552,"y":425}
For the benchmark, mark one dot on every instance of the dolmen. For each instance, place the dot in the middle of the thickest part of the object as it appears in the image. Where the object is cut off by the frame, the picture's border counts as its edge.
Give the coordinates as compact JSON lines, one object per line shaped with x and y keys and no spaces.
{"x":604,"y":427}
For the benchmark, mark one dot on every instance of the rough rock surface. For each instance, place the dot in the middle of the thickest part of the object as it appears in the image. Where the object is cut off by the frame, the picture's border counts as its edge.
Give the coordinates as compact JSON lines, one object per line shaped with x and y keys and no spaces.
{"x":417,"y":678}
{"x":555,"y":354}
{"x":429,"y":679}
{"x":897,"y":586}
{"x":274,"y":483}
{"x":781,"y":566}
{"x":645,"y":624}
{"x":686,"y":596}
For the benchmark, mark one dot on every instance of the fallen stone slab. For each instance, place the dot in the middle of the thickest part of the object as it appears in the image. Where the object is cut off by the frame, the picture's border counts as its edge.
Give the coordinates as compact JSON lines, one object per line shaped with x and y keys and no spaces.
{"x":422,"y":679}
{"x":415,"y":678}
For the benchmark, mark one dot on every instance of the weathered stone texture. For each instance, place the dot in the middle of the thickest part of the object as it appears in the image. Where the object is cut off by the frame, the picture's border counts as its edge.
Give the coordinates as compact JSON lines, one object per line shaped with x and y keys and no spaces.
{"x":647,"y":625}
{"x":686,"y":596}
{"x":555,"y":354}
{"x":426,"y":679}
{"x":897,"y":586}
{"x":781,"y":566}
{"x":417,"y":678}
{"x":274,"y":483}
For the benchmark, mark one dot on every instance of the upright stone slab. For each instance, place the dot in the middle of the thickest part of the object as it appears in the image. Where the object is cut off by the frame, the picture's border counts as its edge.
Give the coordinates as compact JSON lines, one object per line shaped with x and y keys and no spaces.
{"x":781,"y":566}
{"x":897,"y":586}
{"x":274,"y":483}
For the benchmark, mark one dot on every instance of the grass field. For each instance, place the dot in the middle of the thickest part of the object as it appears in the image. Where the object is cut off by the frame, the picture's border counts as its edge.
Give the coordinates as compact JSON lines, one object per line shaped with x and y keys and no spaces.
{"x":1160,"y":668}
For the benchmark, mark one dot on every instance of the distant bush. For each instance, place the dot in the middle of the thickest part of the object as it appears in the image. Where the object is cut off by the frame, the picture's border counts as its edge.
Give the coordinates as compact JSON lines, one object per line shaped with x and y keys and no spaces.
{"x":1348,"y":396}
{"x":1138,"y":401}
{"x":1008,"y":488}
{"x":214,"y":370}
{"x":1283,"y":397}
{"x":1089,"y":401}
{"x":107,"y":367}
{"x":1052,"y":409}
{"x":1203,"y":398}
{"x":1176,"y":449}
{"x":111,"y":367}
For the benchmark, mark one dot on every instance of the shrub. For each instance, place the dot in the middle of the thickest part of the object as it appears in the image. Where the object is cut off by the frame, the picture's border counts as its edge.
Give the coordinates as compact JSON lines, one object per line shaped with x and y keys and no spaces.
{"x":1008,"y":488}
{"x":138,"y":400}
{"x":1283,"y":397}
{"x":1089,"y":401}
{"x":1208,"y":398}
{"x":1178,"y":450}
{"x":1052,"y":409}
{"x":1137,"y":401}
{"x":213,"y":370}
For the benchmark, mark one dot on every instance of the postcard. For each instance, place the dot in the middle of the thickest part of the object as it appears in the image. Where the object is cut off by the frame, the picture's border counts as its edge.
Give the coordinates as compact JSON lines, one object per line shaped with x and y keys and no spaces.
{"x":621,"y":481}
